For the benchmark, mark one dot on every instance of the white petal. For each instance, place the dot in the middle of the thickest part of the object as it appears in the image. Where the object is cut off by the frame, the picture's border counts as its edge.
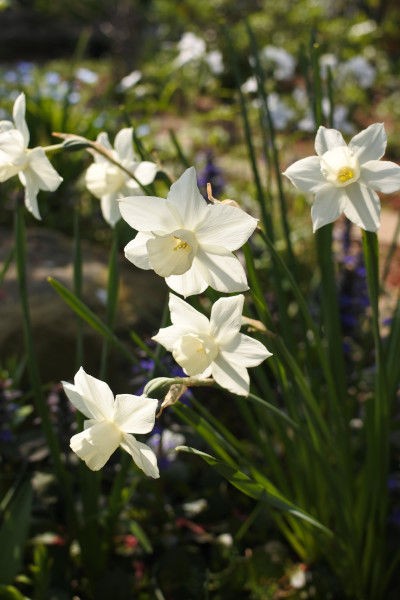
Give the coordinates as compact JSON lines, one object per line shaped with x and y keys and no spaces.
{"x":76,"y":399}
{"x":186,"y":201}
{"x":245,"y":351}
{"x":225,"y":226}
{"x":363,"y":207}
{"x":306,"y":174}
{"x":96,"y":180}
{"x":30,"y":182}
{"x":13,"y":156}
{"x":190,"y":283}
{"x":123,"y":144}
{"x":222,"y":270}
{"x":47,"y":177}
{"x":104,"y":141}
{"x":327,"y":139}
{"x":327,"y":206}
{"x":135,"y":414}
{"x":96,"y":395}
{"x":186,"y":317}
{"x":226,"y":318}
{"x":110,"y":209}
{"x":136,"y":250}
{"x":166,"y":258}
{"x":6,"y":126}
{"x":145,"y":172}
{"x":232,"y":377}
{"x":19,"y":118}
{"x":96,"y":444}
{"x":148,"y":213}
{"x":143,"y":456}
{"x":168,"y":337}
{"x":381,"y":175}
{"x":369,"y":144}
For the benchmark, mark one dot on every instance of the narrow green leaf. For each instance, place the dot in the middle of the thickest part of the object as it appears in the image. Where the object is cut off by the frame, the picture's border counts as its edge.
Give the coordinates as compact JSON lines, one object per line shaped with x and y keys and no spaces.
{"x":255,"y":489}
{"x":9,"y":592}
{"x":88,"y":315}
{"x":14,"y":532}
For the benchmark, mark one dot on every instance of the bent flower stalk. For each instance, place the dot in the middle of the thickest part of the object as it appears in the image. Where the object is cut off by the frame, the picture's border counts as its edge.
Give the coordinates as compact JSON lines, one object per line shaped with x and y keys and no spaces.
{"x":345,"y":178}
{"x":32,"y":166}
{"x":186,"y":240}
{"x":108,"y":182}
{"x":110,"y":422}
{"x":212,"y":347}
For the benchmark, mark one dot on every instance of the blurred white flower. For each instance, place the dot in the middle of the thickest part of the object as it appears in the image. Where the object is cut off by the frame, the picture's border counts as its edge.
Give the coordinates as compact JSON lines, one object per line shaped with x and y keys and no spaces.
{"x":129,"y":81}
{"x":249,"y":86}
{"x":215,"y":62}
{"x":363,"y":28}
{"x":108,"y":182}
{"x":359,"y":68}
{"x":345,"y":178}
{"x":33,"y":168}
{"x":212,"y":347}
{"x":110,"y":423}
{"x":86,"y":76}
{"x":281,"y":114}
{"x":284,"y":63}
{"x":186,"y":240}
{"x":191,"y":47}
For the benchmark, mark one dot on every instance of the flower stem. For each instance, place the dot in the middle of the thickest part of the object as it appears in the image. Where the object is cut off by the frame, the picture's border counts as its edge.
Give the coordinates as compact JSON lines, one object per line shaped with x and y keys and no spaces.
{"x":33,"y":370}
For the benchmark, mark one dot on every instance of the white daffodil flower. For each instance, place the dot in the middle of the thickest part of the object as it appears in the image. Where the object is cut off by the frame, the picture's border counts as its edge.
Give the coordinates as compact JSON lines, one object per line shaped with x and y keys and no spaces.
{"x":212,"y":347}
{"x":108,"y":182}
{"x":345,"y":178}
{"x":186,"y":240}
{"x":110,"y":423}
{"x":31,"y":165}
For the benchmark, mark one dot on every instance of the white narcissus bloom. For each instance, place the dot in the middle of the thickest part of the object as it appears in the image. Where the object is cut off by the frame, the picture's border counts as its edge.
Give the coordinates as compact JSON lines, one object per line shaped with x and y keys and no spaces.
{"x":31,"y":165}
{"x":108,"y":182}
{"x":110,"y":423}
{"x":186,"y":240}
{"x":345,"y":178}
{"x":212,"y":347}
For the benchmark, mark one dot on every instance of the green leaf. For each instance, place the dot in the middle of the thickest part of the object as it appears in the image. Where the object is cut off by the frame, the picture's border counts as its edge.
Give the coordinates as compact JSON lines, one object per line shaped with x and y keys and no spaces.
{"x":14,"y":531}
{"x":88,"y":315}
{"x":141,"y":535}
{"x":255,"y":489}
{"x":9,"y":592}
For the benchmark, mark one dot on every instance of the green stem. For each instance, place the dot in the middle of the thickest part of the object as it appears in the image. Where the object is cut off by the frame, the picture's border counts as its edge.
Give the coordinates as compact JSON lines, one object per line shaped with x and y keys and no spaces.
{"x":33,"y":370}
{"x":112,"y":299}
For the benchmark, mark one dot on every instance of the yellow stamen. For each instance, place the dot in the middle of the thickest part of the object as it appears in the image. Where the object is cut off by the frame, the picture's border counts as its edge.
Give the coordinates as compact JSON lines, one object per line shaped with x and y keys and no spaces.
{"x":345,"y":174}
{"x":181,"y":244}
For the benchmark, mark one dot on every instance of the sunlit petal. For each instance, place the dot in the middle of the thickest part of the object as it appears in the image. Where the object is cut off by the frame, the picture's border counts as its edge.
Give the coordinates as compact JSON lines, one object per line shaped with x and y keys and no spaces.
{"x":134,"y":414}
{"x":306,"y":174}
{"x":19,"y":118}
{"x":327,"y":139}
{"x":363,"y":207}
{"x":136,"y":250}
{"x":381,"y":176}
{"x":96,"y":444}
{"x":232,"y":377}
{"x":369,"y":144}
{"x":142,"y":455}
{"x":225,"y":226}
{"x":327,"y":206}
{"x":96,"y":394}
{"x":226,"y":318}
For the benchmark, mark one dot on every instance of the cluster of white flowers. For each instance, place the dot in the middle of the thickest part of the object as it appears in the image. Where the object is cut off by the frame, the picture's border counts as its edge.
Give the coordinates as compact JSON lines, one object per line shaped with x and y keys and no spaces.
{"x":190,"y":242}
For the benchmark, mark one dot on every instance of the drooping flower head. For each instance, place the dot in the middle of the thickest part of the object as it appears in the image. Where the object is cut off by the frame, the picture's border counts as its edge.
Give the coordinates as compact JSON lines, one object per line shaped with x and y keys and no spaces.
{"x":186,"y":240}
{"x":345,"y":178}
{"x":212,"y":347}
{"x":108,"y":182}
{"x":110,"y":423}
{"x":31,"y":165}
